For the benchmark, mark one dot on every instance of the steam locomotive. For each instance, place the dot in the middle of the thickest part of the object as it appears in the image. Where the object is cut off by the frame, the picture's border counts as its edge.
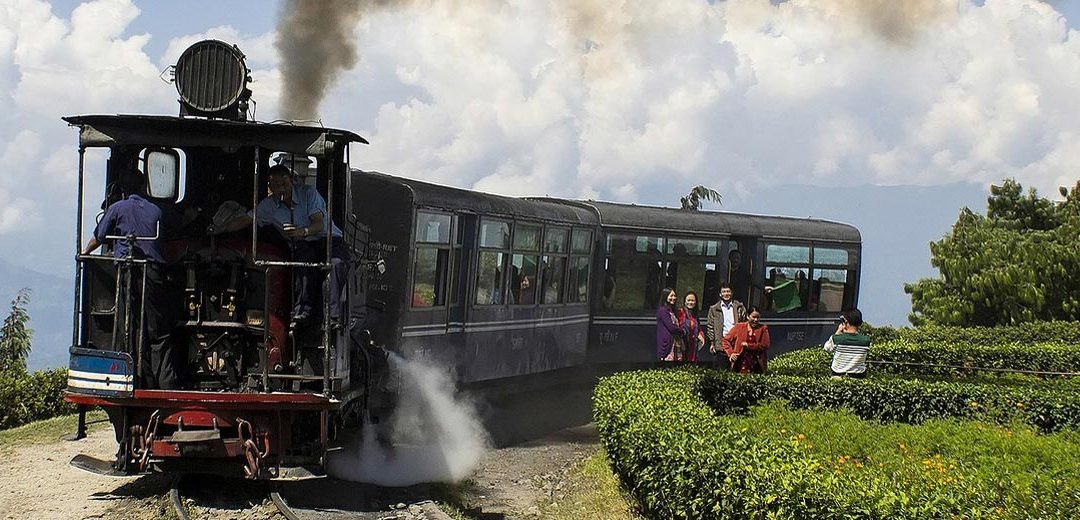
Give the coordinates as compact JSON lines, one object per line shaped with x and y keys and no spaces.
{"x":503,"y":293}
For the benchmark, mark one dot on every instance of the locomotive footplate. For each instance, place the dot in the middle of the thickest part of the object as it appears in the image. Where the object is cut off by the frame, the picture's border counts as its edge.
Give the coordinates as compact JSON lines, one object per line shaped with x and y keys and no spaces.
{"x":97,"y":466}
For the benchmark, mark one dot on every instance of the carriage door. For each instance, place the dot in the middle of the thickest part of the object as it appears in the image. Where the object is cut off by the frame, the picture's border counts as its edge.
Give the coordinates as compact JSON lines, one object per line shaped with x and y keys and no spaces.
{"x":464,"y":226}
{"x":738,"y":269}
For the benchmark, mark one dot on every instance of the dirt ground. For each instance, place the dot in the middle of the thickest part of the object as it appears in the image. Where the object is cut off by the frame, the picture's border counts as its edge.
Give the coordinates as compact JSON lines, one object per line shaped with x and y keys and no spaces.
{"x":513,"y":482}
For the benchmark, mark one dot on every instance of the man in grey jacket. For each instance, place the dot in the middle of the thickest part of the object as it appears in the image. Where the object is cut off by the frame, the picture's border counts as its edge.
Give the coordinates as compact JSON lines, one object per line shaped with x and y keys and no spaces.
{"x":723,"y":315}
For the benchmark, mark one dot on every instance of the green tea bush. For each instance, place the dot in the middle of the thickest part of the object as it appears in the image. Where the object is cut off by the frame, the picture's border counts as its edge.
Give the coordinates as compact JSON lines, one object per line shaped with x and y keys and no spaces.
{"x":1066,"y":332}
{"x":32,"y":397}
{"x":908,"y":357}
{"x":1047,"y":407}
{"x":680,"y":460}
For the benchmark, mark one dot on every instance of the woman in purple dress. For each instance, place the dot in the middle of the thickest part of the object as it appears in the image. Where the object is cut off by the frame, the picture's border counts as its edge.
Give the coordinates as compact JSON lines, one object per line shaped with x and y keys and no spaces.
{"x":669,"y":343}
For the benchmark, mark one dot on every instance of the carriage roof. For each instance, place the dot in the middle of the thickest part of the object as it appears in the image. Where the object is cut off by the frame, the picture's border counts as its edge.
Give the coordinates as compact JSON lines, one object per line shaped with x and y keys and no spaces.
{"x":435,"y":196}
{"x":616,"y":215}
{"x":673,"y":220}
{"x":170,"y":131}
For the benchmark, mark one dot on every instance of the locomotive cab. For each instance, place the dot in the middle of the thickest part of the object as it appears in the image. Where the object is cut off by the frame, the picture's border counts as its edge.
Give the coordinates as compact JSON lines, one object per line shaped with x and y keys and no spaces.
{"x":195,"y":353}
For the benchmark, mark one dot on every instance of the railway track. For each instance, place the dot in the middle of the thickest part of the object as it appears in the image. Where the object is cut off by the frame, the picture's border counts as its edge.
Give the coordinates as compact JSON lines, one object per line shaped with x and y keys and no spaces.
{"x":422,"y":510}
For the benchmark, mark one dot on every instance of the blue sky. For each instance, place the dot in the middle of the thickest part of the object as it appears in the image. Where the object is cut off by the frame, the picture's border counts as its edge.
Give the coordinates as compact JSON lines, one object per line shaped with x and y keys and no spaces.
{"x":632,"y":101}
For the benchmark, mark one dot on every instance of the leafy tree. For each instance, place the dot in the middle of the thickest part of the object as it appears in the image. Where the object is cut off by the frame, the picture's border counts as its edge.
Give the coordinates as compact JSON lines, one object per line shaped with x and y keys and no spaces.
{"x":15,"y":336}
{"x":692,"y":201}
{"x":1019,"y":263}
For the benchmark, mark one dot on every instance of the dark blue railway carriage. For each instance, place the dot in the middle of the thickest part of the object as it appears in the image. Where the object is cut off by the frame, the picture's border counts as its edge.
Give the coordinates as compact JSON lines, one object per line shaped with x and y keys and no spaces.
{"x":799,"y":272}
{"x":491,"y":287}
{"x":498,"y":287}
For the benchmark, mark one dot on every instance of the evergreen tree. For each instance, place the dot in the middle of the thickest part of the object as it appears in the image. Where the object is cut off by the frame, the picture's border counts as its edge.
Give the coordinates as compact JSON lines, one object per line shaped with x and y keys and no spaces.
{"x":15,"y":336}
{"x":1018,"y":263}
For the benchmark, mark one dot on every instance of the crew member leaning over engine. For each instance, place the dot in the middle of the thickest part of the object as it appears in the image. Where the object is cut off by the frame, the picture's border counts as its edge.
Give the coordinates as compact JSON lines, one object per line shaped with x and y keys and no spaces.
{"x":299,"y":211}
{"x":135,"y":216}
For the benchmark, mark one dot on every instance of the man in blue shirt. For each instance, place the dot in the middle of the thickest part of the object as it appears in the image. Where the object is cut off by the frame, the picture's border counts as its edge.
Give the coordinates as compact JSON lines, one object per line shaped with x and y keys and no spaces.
{"x":299,"y":212}
{"x":136,"y":217}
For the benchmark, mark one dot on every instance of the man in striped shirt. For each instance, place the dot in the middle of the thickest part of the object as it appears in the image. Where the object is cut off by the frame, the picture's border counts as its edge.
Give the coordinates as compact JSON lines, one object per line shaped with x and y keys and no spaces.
{"x":849,"y":346}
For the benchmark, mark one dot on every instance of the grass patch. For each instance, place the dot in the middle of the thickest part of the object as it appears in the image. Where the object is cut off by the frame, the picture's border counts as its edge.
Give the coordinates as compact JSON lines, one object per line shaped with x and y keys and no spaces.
{"x":594,"y":493}
{"x":50,"y":430}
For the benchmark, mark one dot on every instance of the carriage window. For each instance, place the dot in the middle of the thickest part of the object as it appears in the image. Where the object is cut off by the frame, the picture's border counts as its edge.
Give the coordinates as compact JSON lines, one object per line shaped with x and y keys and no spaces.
{"x":787,"y":254}
{"x":827,"y":256}
{"x":581,"y":241}
{"x":432,"y":228}
{"x":523,"y":281}
{"x":555,"y":240}
{"x":685,"y":277}
{"x":634,"y":244}
{"x":489,"y":277}
{"x":831,"y":291}
{"x":578,"y":286}
{"x":790,"y":288}
{"x":787,"y":272}
{"x":691,"y":247}
{"x":429,"y":277}
{"x":494,"y":233}
{"x":632,"y":284}
{"x":552,"y":278}
{"x":526,"y":238}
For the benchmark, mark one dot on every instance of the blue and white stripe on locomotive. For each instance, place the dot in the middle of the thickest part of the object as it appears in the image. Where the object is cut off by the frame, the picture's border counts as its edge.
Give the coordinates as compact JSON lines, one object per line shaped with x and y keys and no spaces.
{"x":101,"y":372}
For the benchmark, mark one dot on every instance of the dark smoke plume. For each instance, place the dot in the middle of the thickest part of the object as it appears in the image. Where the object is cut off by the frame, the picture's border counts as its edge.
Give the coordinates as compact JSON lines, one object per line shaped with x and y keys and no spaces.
{"x":315,"y":40}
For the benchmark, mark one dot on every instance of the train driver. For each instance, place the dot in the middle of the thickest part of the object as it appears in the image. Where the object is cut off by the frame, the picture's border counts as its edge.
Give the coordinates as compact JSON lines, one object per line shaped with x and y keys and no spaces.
{"x":299,"y":212}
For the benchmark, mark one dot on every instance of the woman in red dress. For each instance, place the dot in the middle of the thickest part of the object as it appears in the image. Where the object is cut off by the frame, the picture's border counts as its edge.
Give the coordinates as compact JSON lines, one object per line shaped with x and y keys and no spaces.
{"x":688,"y":322}
{"x":747,"y":345}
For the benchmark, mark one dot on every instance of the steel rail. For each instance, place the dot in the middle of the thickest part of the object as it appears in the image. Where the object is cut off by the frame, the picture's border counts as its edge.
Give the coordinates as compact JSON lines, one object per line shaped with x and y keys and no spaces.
{"x":176,"y":500}
{"x":283,"y":506}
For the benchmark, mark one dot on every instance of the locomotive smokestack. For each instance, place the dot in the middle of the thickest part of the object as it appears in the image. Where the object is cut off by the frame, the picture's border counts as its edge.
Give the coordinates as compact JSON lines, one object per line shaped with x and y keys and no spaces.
{"x":315,"y":40}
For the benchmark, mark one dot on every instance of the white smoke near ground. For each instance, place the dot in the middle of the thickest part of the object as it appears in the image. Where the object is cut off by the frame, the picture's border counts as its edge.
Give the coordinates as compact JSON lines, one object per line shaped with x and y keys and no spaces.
{"x":435,"y":435}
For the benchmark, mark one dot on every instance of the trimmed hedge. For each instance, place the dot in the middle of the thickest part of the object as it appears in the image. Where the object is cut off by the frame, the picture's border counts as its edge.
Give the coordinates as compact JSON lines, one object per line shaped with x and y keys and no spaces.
{"x":1067,"y":332}
{"x":32,"y":397}
{"x":1048,"y":408}
{"x":680,"y":460}
{"x":1043,"y":357}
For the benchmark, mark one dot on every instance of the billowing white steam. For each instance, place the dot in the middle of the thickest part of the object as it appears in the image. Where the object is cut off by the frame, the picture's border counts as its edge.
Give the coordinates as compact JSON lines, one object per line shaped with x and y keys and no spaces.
{"x":436,"y":436}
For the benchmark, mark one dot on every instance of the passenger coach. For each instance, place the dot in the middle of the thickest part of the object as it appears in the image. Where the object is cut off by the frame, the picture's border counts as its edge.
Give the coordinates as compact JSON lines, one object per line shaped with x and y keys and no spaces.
{"x":498,"y":287}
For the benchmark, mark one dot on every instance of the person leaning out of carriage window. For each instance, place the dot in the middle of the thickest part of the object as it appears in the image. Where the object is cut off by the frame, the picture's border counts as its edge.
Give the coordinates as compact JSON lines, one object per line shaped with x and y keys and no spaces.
{"x":747,"y":345}
{"x":669,"y":336}
{"x":135,"y":216}
{"x":849,"y":347}
{"x":691,"y":327}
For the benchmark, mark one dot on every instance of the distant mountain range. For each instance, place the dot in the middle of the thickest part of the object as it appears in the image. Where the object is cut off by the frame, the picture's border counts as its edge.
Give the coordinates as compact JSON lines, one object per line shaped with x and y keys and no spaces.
{"x":897,"y":225}
{"x":50,"y":308}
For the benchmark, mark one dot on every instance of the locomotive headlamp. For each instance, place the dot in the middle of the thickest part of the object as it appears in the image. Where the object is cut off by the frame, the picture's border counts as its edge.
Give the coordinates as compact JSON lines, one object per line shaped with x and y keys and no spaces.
{"x":211,"y":78}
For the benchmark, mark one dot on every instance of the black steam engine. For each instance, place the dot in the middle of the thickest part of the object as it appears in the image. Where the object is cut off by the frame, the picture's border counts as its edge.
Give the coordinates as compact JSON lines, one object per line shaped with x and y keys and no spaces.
{"x":196,"y":356}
